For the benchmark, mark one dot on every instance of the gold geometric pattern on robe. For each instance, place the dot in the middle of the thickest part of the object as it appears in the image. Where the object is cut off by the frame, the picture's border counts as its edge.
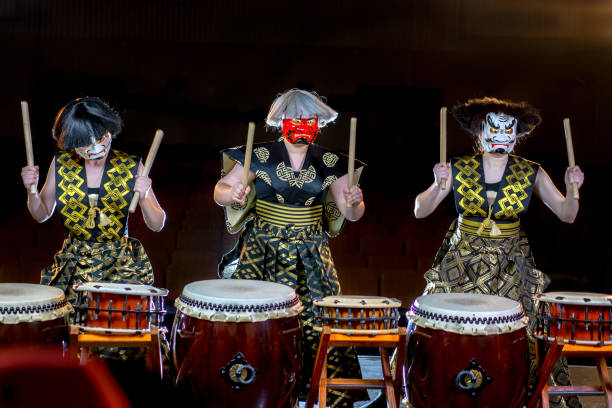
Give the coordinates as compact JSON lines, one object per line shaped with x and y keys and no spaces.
{"x":469,"y":188}
{"x":330,"y":159}
{"x":328,"y":182}
{"x":264,"y":176}
{"x":309,"y":201}
{"x":306,"y":176}
{"x":262,"y":154}
{"x":273,"y":255}
{"x":331,"y":211}
{"x":114,"y":201}
{"x":72,"y":187}
{"x":280,"y":198}
{"x":71,"y":197}
{"x":504,"y":267}
{"x":514,"y":193}
{"x":237,"y":206}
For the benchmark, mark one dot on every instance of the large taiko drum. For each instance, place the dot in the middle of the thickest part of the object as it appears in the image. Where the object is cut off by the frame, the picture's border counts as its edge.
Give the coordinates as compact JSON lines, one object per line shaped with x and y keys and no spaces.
{"x":118,"y":308}
{"x":357,"y":314}
{"x":466,"y":350}
{"x":577,"y":317}
{"x":237,"y":343}
{"x":34,"y":314}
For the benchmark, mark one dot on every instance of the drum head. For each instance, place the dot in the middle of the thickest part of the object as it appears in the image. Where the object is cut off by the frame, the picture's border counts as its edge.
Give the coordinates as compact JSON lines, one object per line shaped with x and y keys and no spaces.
{"x":576,"y":298}
{"x":238,"y":299}
{"x":120,"y":288}
{"x":361,"y":302}
{"x":467,"y":313}
{"x":26,"y":302}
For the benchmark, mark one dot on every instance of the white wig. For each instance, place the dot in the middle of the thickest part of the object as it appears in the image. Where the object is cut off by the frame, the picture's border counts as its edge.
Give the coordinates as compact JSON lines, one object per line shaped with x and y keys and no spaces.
{"x":297,"y":103}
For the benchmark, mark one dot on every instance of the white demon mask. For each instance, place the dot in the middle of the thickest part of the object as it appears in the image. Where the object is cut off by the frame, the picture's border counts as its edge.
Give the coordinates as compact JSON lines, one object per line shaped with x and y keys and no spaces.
{"x":97,"y":149}
{"x":498,"y":134}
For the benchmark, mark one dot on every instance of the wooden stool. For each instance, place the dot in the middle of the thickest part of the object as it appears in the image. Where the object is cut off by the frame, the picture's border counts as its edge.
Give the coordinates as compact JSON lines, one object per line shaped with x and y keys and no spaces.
{"x":148,"y":340}
{"x":320,"y":382}
{"x":559,"y":349}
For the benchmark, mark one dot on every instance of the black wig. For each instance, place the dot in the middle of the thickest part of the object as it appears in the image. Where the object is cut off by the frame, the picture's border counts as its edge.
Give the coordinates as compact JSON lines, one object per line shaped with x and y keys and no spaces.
{"x":84,"y":118}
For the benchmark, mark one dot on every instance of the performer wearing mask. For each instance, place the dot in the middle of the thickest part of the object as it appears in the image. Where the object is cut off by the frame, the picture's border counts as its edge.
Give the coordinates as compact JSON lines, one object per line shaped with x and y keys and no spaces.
{"x":92,"y":186}
{"x":485,"y":250}
{"x":296,"y":196}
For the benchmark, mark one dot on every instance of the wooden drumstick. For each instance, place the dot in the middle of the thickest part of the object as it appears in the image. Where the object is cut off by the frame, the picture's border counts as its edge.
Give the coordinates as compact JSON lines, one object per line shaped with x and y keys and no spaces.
{"x":351,"y":158}
{"x":27,"y":135}
{"x":159,"y":135}
{"x":443,"y":142}
{"x":247,"y":154}
{"x":570,"y":154}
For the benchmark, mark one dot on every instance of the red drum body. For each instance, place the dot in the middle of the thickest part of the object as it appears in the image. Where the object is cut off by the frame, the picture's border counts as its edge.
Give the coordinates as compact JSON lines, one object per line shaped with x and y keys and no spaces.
{"x":118,"y":308}
{"x":466,"y":351}
{"x":237,"y":343}
{"x":578,"y":318}
{"x":33,"y":314}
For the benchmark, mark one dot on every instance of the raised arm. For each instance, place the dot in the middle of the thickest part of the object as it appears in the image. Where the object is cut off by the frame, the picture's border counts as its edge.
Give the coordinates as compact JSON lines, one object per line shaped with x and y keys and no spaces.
{"x":229,"y":189}
{"x":427,"y":201}
{"x":564,"y":207}
{"x":153,"y":214}
{"x":41,"y":205}
{"x":342,"y":194}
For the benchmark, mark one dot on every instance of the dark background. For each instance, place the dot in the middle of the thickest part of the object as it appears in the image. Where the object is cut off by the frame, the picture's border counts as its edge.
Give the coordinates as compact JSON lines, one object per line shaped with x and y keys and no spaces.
{"x":201,"y":70}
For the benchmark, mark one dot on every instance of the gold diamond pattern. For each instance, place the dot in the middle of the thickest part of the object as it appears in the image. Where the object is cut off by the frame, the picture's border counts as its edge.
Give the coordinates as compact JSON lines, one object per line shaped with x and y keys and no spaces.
{"x":73,"y":198}
{"x":514,"y":193}
{"x":469,"y":189}
{"x":114,"y":201}
{"x":73,"y":208}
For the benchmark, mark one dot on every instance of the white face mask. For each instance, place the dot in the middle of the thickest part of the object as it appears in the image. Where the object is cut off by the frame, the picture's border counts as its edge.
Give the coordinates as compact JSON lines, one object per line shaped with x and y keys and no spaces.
{"x":498,"y":134}
{"x":97,"y":149}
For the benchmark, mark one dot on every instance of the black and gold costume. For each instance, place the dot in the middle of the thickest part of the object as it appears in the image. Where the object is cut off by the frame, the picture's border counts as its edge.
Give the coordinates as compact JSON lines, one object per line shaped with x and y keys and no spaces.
{"x":286,"y":219}
{"x":96,"y":247}
{"x":485,"y":250}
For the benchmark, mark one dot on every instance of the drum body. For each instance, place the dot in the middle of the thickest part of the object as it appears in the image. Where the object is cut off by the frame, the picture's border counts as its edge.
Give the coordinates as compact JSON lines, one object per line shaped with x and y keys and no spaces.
{"x":357,"y":314}
{"x":577,"y":317}
{"x":118,"y":308}
{"x":237,"y":343}
{"x":466,"y":350}
{"x":33,"y":314}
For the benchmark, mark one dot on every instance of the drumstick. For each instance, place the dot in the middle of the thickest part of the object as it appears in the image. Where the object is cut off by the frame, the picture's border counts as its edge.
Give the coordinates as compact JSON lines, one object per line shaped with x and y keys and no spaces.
{"x":351,"y":159}
{"x":27,"y":135}
{"x":159,"y":135}
{"x":247,"y":153}
{"x":443,"y":142}
{"x":570,"y":154}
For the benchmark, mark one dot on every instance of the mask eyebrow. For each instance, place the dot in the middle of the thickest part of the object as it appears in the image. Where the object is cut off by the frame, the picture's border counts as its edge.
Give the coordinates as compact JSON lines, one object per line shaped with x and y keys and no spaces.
{"x":511,"y":124}
{"x":490,"y":122}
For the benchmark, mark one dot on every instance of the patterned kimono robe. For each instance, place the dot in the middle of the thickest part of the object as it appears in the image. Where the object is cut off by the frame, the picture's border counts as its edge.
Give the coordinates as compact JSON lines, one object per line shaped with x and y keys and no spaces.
{"x":96,"y":247}
{"x":485,"y":250}
{"x":286,"y":220}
